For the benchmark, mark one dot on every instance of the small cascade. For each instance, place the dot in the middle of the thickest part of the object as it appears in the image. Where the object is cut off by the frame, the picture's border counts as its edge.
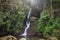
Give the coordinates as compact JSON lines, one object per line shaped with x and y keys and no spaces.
{"x":27,"y":24}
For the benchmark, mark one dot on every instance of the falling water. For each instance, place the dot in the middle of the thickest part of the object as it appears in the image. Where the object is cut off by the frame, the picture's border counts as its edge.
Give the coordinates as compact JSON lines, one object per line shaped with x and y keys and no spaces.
{"x":27,"y":24}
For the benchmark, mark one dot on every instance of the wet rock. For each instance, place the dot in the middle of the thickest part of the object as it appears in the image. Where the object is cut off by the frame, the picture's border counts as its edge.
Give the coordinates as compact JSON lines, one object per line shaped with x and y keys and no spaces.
{"x":33,"y":19}
{"x":53,"y":38}
{"x":22,"y":39}
{"x":39,"y":34}
{"x":33,"y":28}
{"x":41,"y":39}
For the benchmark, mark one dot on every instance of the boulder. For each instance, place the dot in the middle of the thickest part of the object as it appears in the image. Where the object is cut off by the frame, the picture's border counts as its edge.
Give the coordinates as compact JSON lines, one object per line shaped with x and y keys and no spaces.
{"x":41,"y":39}
{"x":22,"y":39}
{"x":33,"y":19}
{"x":53,"y":38}
{"x":9,"y":37}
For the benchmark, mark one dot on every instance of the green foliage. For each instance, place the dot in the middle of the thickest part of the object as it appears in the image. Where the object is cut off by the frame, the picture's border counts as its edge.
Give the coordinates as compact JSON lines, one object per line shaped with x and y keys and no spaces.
{"x":13,"y":19}
{"x":46,"y":25}
{"x":42,"y":23}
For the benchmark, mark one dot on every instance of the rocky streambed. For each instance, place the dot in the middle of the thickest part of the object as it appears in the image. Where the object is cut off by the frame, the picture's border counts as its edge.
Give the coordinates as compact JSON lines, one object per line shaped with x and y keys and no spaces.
{"x":10,"y":37}
{"x":23,"y":38}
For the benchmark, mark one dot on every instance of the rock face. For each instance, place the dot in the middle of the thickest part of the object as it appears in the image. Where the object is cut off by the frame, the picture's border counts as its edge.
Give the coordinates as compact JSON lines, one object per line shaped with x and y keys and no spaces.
{"x":33,"y":26}
{"x":22,"y":39}
{"x":39,"y":6}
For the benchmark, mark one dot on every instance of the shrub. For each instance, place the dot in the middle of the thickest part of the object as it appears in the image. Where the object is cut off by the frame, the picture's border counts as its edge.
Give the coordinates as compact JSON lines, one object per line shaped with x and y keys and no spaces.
{"x":46,"y":25}
{"x":43,"y":20}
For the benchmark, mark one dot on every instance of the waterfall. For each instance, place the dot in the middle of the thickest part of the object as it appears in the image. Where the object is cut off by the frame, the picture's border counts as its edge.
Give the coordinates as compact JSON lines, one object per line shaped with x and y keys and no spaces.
{"x":27,"y":24}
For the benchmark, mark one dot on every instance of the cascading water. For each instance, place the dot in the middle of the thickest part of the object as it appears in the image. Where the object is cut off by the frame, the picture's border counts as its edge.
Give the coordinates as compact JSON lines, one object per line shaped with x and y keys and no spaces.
{"x":27,"y":24}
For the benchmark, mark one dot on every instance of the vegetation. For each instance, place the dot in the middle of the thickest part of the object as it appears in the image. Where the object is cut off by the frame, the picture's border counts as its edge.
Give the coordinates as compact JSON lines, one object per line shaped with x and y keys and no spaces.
{"x":46,"y":24}
{"x":13,"y":15}
{"x":49,"y":26}
{"x":12,"y":19}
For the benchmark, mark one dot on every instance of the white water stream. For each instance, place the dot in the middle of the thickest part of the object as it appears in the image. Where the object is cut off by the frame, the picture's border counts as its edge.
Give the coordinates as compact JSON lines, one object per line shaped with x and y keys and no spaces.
{"x":27,"y":24}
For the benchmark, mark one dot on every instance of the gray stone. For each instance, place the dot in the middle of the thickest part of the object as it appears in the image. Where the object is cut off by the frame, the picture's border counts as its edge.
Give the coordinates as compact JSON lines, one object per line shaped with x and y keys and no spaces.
{"x":22,"y":39}
{"x":33,"y":19}
{"x":41,"y":39}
